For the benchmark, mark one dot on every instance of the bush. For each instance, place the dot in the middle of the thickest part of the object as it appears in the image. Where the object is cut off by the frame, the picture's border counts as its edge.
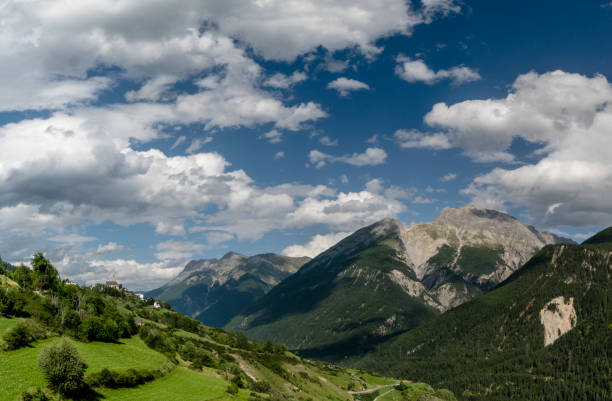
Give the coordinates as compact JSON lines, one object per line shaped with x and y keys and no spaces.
{"x":63,"y":367}
{"x":260,"y":387}
{"x":22,"y":334}
{"x":34,"y":394}
{"x":117,"y":379}
{"x":232,"y":388}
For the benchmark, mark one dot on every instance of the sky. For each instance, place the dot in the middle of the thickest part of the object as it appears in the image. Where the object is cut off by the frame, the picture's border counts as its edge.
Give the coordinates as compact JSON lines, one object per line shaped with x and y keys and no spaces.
{"x":138,"y":135}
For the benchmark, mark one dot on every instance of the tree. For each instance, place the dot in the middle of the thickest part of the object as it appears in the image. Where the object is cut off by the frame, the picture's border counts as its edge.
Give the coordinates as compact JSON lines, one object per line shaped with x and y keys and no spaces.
{"x":63,"y":367}
{"x":46,"y":276}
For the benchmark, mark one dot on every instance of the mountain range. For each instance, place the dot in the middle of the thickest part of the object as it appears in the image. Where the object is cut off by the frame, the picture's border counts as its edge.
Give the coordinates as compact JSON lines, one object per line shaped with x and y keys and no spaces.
{"x":388,"y":278}
{"x":215,"y":290}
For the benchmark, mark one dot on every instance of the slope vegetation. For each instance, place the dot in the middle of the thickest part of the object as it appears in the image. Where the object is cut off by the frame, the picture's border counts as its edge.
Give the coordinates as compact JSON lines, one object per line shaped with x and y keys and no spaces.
{"x":545,"y":333}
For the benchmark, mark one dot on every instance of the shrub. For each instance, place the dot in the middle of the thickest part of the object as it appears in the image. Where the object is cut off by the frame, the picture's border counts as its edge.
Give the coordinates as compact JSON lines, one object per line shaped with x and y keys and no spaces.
{"x":117,"y":379}
{"x":22,"y":334}
{"x":63,"y":367}
{"x":260,"y":387}
{"x":232,"y":388}
{"x":34,"y":394}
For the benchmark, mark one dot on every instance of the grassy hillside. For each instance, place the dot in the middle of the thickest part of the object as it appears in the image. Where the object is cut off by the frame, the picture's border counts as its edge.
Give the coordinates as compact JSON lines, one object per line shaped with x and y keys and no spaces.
{"x":493,"y":347}
{"x":138,"y":352}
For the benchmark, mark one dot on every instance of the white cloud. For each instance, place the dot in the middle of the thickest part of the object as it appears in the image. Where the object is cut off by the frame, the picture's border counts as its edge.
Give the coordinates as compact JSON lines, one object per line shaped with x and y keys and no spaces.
{"x":214,"y":238}
{"x":153,"y":89}
{"x":316,"y":245}
{"x":417,"y":71}
{"x":371,"y":157}
{"x":110,"y":247}
{"x":282,"y":81}
{"x":417,"y":139}
{"x":448,"y":177}
{"x":568,"y":116}
{"x":279,"y":155}
{"x":181,"y":250}
{"x":348,"y":211}
{"x":72,"y":238}
{"x":49,"y":50}
{"x":197,"y":144}
{"x":284,"y":29}
{"x":178,"y":142}
{"x":346,"y":85}
{"x":327,"y":141}
{"x":273,"y":136}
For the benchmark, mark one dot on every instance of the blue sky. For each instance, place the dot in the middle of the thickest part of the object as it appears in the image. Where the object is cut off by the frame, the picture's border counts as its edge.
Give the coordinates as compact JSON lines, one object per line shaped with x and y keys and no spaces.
{"x":135,"y":136}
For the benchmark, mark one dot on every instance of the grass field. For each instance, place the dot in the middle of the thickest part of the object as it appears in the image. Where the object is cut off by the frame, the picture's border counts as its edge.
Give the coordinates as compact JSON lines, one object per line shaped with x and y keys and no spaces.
{"x":130,"y":353}
{"x":18,"y":369}
{"x":6,"y":324}
{"x":180,"y":385}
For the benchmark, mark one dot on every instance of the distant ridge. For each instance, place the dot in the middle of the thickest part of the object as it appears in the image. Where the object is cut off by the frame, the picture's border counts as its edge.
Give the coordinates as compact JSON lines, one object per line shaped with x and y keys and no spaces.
{"x":215,"y":290}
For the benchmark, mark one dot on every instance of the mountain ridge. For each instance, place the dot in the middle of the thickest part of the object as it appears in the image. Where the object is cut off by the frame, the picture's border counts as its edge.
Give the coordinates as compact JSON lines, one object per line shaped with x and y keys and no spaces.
{"x":214,"y":290}
{"x":387,"y":278}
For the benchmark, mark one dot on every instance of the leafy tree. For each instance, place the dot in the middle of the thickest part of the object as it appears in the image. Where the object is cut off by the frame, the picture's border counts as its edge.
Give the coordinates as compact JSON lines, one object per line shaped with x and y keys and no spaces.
{"x":63,"y":367}
{"x":46,"y":276}
{"x":23,"y":276}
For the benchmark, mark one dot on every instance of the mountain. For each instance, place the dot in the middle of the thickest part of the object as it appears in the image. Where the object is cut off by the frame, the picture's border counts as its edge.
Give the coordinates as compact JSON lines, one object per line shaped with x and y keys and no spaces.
{"x":387,"y":278}
{"x":545,"y":333}
{"x":215,"y":290}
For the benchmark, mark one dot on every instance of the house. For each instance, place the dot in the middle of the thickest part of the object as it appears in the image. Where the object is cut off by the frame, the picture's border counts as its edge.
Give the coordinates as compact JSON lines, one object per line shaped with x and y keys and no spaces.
{"x":156,"y":305}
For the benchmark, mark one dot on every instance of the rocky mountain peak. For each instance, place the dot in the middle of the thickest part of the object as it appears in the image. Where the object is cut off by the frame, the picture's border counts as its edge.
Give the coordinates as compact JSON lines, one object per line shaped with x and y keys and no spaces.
{"x":471,"y":216}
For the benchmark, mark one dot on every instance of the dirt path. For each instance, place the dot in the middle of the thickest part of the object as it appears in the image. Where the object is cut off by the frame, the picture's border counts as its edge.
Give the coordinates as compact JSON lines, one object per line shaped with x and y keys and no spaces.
{"x":373,"y":389}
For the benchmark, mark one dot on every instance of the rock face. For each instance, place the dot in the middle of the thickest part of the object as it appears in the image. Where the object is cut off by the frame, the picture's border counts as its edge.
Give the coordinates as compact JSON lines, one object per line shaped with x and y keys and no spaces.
{"x":214,"y":290}
{"x":558,"y":317}
{"x":387,"y":278}
{"x":467,"y":251}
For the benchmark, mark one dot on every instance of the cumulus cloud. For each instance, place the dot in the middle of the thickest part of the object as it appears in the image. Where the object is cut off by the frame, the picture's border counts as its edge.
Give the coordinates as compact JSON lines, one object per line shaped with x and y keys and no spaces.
{"x":50,"y":52}
{"x":316,"y":245}
{"x":371,"y":157}
{"x":172,"y":250}
{"x":417,"y":139}
{"x":279,"y":155}
{"x":284,"y":29}
{"x":282,"y":81}
{"x":273,"y":136}
{"x":417,"y":71}
{"x":568,"y":117}
{"x":153,"y":89}
{"x":346,"y":85}
{"x":110,"y":247}
{"x":327,"y":141}
{"x":448,"y":177}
